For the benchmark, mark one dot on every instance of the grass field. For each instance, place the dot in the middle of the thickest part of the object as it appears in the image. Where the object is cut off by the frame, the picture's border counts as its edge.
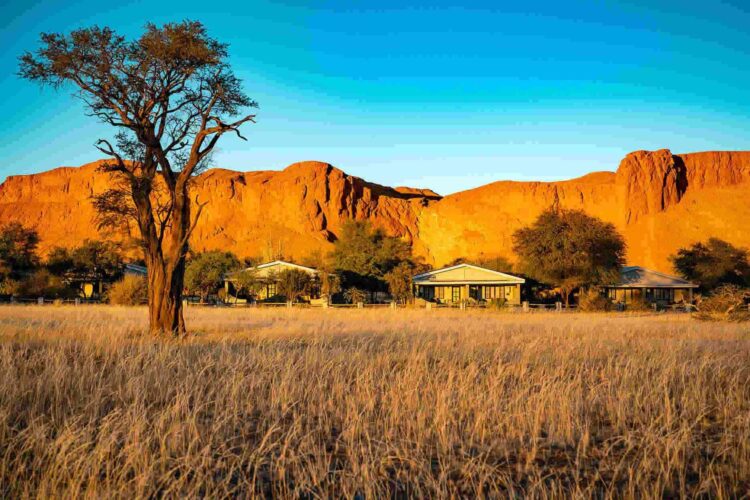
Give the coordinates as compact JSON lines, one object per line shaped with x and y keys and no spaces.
{"x":319,"y":403}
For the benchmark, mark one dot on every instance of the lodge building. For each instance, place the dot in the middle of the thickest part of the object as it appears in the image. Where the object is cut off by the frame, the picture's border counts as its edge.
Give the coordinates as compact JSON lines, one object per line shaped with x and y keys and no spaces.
{"x":468,"y":282}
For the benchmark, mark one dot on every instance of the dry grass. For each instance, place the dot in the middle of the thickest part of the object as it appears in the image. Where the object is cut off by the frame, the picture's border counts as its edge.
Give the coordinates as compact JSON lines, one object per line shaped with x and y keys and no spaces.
{"x":378,"y":403}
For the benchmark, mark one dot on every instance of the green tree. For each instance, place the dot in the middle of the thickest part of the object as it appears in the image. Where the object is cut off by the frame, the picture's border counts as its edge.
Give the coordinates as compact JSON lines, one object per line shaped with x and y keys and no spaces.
{"x":170,"y":95}
{"x":59,"y":261}
{"x":329,"y":283}
{"x":293,"y":283}
{"x":570,"y":249}
{"x":364,"y":255}
{"x":18,"y":245}
{"x":93,"y":259}
{"x":100,"y":259}
{"x":713,"y":263}
{"x":247,"y":282}
{"x":399,"y":281}
{"x":205,"y":272}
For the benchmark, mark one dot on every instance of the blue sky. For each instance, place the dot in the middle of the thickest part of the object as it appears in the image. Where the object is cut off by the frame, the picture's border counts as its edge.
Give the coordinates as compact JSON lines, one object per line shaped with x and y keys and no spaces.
{"x":439,"y":95}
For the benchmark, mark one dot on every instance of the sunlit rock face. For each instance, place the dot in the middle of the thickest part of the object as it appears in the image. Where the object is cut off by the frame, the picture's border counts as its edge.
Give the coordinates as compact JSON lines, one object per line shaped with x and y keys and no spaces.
{"x":658,"y":200}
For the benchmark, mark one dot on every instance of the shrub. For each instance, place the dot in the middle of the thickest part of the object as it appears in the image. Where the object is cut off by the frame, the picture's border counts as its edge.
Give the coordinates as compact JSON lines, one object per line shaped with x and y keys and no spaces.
{"x":497,"y":303}
{"x":129,"y":291}
{"x":726,"y":303}
{"x":355,"y":295}
{"x":10,"y":287}
{"x":42,"y":283}
{"x":639,"y":304}
{"x":592,"y":300}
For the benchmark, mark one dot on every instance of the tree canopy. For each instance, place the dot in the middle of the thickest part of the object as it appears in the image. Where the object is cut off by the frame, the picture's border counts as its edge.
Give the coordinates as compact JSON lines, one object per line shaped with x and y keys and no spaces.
{"x":364,"y":255}
{"x":399,"y":281}
{"x":713,"y":263}
{"x":94,"y":259}
{"x":18,"y":246}
{"x":205,"y":272}
{"x":247,"y":281}
{"x":569,"y":249}
{"x":293,"y":283}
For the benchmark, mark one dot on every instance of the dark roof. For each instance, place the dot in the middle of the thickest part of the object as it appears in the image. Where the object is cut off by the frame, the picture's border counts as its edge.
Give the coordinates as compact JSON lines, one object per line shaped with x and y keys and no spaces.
{"x":136,"y":269}
{"x":640,"y":277}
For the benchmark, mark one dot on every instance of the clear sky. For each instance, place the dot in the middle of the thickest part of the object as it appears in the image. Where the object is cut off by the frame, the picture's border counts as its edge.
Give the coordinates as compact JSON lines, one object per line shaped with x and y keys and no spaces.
{"x":447,"y":95}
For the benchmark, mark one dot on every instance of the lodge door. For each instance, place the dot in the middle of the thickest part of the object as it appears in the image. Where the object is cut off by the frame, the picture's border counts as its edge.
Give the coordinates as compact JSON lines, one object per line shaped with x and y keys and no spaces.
{"x":456,"y":294}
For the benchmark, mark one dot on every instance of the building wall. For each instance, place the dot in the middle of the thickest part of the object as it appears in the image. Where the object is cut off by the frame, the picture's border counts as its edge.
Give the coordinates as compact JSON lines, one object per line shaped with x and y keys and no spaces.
{"x":457,"y":293}
{"x":269,"y":292}
{"x":655,"y":294}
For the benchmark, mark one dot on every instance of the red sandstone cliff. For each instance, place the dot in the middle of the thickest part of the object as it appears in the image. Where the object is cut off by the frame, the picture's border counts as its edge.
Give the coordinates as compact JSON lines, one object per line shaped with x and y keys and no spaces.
{"x":659,"y":201}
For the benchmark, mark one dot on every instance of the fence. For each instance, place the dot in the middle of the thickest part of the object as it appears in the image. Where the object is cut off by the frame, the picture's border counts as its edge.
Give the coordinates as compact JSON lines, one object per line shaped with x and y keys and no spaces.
{"x":47,"y":301}
{"x":526,"y":307}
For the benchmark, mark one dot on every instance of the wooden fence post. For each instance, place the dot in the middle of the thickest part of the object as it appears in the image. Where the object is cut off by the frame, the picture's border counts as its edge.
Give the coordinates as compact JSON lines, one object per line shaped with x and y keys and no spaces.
{"x":558,"y":306}
{"x":360,"y":305}
{"x":40,"y":301}
{"x":525,"y":305}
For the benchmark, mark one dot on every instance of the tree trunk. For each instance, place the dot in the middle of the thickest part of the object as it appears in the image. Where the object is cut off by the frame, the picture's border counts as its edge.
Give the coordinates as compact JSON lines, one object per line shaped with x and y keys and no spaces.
{"x":165,"y":260}
{"x":165,"y":299}
{"x":566,"y":296}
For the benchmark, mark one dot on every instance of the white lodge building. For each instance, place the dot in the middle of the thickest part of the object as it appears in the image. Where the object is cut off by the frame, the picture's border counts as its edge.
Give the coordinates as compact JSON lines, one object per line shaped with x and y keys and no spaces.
{"x":465,"y":281}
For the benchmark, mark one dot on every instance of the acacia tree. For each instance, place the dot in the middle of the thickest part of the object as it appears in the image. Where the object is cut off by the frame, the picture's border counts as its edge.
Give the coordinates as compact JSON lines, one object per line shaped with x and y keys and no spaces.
{"x":171,"y":96}
{"x":205,"y":272}
{"x":248,"y":282}
{"x":399,"y":281}
{"x":363,"y":255}
{"x":570,"y":249}
{"x":17,"y":249}
{"x":713,"y":263}
{"x":293,"y":283}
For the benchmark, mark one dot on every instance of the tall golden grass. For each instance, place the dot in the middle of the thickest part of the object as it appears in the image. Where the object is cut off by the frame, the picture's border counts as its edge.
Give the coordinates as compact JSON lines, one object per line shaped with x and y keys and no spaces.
{"x":320,"y":403}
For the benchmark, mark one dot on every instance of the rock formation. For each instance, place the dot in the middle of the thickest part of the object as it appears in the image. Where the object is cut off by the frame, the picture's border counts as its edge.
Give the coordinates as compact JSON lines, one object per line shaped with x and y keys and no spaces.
{"x":659,"y":201}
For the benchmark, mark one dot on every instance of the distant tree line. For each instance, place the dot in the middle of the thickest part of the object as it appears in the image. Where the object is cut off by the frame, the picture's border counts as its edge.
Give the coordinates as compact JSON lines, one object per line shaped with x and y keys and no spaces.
{"x":565,"y":250}
{"x":23,"y":273}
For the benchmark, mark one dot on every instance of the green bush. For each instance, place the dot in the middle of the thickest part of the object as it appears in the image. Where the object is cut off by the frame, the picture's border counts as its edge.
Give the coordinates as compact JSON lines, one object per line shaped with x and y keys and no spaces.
{"x":129,"y":291}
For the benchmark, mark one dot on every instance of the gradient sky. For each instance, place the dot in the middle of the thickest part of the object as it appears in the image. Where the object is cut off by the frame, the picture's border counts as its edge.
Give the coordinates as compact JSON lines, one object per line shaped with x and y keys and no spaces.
{"x":438,"y":95}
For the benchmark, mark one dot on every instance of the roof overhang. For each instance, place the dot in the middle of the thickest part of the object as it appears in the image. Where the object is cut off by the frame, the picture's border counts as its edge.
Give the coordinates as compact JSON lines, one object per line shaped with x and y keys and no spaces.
{"x":469,"y":282}
{"x":502,"y":278}
{"x":230,"y":276}
{"x":648,"y":278}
